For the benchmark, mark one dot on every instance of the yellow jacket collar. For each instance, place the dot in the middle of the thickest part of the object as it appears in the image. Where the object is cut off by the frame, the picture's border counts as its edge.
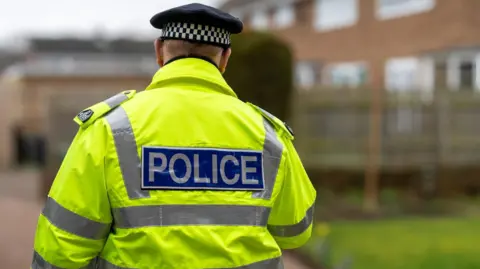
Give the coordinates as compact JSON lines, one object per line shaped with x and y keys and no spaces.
{"x":193,"y":71}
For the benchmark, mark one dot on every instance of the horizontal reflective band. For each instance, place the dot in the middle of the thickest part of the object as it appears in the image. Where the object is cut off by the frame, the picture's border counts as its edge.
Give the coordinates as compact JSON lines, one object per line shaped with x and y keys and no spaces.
{"x":40,"y":263}
{"x":73,"y":223}
{"x":171,"y":215}
{"x":275,"y":263}
{"x":295,"y":229}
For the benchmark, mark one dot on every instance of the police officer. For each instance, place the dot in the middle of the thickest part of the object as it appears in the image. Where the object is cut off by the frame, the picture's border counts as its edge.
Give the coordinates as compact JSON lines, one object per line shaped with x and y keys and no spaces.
{"x":182,"y":175}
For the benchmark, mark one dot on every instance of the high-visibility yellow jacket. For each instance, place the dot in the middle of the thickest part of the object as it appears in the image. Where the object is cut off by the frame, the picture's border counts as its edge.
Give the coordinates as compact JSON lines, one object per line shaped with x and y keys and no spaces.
{"x":115,"y":204}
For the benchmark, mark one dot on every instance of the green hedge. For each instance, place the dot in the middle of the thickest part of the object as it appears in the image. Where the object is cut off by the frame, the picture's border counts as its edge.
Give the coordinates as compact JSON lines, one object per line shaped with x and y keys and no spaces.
{"x":261,"y":71}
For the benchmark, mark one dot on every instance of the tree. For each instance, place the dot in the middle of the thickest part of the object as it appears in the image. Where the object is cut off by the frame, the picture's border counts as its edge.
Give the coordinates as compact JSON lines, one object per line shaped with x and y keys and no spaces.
{"x":261,"y":72}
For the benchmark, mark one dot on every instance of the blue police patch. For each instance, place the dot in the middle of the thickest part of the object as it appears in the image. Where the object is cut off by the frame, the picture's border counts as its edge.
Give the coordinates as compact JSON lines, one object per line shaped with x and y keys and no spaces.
{"x":202,"y":169}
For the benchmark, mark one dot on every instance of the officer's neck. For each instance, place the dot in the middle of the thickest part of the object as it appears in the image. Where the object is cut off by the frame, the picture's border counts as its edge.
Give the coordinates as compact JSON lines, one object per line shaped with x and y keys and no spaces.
{"x":205,"y":58}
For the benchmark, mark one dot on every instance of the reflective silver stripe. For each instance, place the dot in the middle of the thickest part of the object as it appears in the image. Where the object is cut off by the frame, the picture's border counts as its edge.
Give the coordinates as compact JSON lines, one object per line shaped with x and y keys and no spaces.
{"x":126,"y":147}
{"x":272,"y":155}
{"x":116,"y":100}
{"x":73,"y":223}
{"x":40,"y":263}
{"x":275,"y":263}
{"x":295,"y":229}
{"x":171,"y":215}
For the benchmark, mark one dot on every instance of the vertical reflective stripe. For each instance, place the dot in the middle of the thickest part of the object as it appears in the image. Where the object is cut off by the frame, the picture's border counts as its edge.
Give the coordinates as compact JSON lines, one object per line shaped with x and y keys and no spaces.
{"x":116,"y":100}
{"x":73,"y":223}
{"x":126,"y":147}
{"x":40,"y":263}
{"x":272,"y":155}
{"x":275,"y":263}
{"x":295,"y":229}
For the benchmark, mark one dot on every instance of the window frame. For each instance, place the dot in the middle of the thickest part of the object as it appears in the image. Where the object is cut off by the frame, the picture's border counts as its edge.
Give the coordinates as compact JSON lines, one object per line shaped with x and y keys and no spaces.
{"x":405,"y":63}
{"x":263,"y":11}
{"x":276,"y":14}
{"x":408,"y":8}
{"x":313,"y":68}
{"x":359,"y":65}
{"x":454,"y":62}
{"x":345,"y":22}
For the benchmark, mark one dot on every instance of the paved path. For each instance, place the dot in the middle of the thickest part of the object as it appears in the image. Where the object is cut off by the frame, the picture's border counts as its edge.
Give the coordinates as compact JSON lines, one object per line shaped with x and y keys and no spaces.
{"x":19,"y":212}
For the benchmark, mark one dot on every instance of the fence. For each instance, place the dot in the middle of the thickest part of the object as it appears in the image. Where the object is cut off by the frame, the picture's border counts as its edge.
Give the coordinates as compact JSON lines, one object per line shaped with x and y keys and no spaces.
{"x":344,"y":128}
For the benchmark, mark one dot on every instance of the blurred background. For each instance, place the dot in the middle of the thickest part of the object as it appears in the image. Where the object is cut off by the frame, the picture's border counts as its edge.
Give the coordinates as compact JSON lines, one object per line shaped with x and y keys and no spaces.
{"x":383,"y":97}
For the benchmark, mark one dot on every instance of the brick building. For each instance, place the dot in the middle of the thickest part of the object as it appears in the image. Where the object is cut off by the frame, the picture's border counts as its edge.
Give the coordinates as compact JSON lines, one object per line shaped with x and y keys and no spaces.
{"x":397,"y":44}
{"x":52,"y":71}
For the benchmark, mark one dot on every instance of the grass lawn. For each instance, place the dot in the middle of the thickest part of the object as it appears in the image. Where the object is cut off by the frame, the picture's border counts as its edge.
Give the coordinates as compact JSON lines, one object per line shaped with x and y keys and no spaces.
{"x":400,"y":244}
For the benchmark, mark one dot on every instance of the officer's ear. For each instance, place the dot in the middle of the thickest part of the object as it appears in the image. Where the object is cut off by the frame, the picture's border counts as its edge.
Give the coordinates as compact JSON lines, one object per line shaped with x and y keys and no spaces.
{"x":159,"y":52}
{"x":224,"y":59}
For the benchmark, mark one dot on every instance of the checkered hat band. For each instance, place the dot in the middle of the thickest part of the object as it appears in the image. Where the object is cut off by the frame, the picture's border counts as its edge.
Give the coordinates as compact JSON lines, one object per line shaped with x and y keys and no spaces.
{"x":196,"y":32}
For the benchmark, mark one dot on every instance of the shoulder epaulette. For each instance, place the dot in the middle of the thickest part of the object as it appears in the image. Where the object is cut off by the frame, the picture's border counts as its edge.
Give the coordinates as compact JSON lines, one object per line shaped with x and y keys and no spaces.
{"x":279,"y":125}
{"x":91,"y":114}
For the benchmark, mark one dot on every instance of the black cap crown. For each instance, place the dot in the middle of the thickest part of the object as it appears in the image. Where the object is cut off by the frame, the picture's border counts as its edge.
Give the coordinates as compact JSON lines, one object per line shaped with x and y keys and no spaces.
{"x":197,"y":23}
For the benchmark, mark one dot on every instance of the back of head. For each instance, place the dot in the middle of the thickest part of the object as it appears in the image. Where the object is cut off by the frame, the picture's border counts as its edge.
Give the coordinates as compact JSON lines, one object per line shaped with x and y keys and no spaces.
{"x":177,"y":48}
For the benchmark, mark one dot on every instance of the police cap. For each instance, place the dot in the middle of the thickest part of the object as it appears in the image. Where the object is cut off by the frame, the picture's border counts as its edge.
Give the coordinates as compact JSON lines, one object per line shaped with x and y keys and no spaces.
{"x":197,"y":23}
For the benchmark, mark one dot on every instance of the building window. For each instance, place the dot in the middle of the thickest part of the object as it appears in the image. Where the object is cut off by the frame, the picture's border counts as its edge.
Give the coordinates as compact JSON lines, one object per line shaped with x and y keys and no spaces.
{"x":462,"y":71}
{"x":346,"y":75}
{"x":333,"y":14}
{"x":284,"y":16}
{"x":260,"y":19}
{"x":306,"y":74}
{"x":389,"y":9}
{"x":467,"y":71}
{"x":400,"y":74}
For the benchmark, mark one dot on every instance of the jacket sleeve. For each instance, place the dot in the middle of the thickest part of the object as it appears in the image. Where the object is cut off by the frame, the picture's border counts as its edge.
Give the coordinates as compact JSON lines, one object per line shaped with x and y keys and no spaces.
{"x":291,"y":218}
{"x":76,"y":219}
